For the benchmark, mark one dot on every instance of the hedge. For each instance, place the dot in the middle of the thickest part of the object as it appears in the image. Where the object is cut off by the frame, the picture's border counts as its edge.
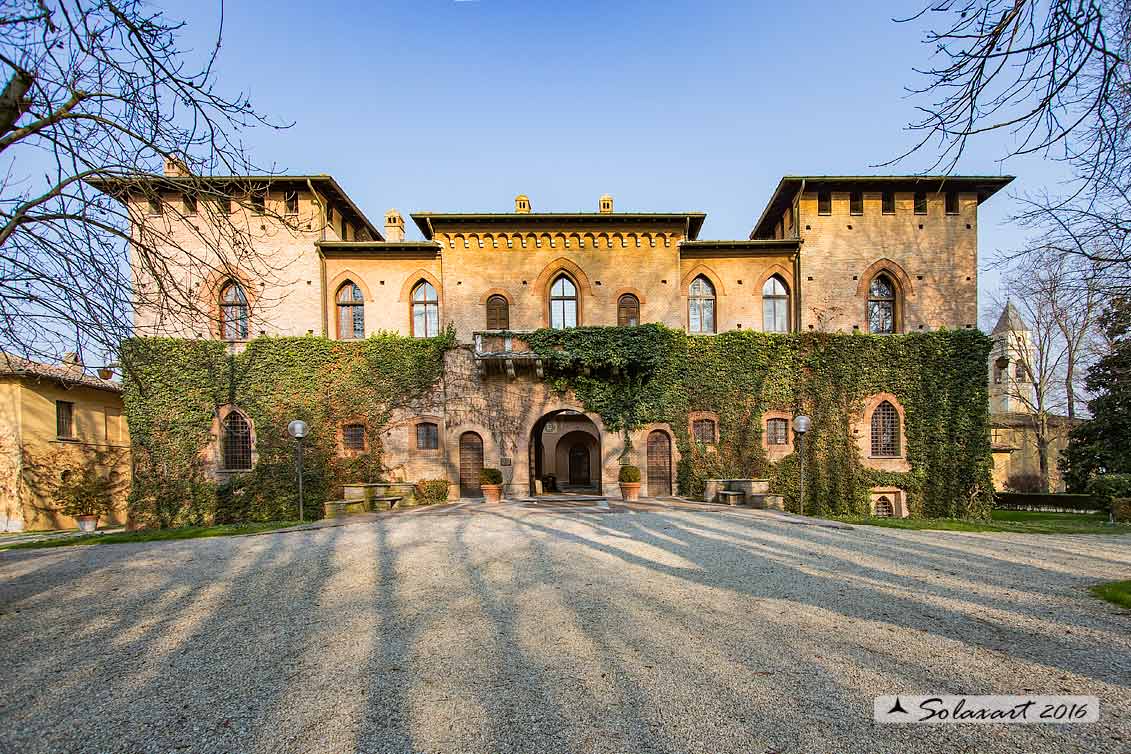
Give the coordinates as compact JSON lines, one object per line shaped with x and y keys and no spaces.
{"x":1040,"y":501}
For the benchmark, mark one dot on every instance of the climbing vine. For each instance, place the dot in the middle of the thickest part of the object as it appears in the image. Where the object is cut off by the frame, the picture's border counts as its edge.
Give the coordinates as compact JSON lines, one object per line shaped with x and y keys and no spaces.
{"x":175,"y":388}
{"x":639,"y":375}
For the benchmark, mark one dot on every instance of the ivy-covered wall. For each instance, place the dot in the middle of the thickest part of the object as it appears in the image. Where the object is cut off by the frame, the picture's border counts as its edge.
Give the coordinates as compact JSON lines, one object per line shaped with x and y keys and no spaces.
{"x":630,"y":377}
{"x":174,"y":389}
{"x":636,"y":376}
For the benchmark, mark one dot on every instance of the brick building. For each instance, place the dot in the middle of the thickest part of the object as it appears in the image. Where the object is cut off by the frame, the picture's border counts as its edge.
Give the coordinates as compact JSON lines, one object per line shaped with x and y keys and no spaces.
{"x":870,"y":254}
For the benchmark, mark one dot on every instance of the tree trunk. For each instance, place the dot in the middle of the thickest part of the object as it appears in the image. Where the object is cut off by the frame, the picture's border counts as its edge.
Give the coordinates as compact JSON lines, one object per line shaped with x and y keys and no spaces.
{"x":1069,"y":376}
{"x":1043,"y":458}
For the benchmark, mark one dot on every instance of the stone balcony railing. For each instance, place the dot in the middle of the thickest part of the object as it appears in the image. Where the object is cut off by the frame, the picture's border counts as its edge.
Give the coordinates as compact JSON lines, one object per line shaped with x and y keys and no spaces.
{"x":504,"y":354}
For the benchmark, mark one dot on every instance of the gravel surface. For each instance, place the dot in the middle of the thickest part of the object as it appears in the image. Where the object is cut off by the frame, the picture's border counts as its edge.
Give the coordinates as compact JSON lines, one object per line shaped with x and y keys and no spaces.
{"x":509,"y":629}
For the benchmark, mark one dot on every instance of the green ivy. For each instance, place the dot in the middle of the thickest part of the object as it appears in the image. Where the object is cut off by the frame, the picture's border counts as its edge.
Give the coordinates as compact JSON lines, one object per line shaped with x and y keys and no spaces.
{"x":630,"y":376}
{"x":638,"y":375}
{"x":174,"y":388}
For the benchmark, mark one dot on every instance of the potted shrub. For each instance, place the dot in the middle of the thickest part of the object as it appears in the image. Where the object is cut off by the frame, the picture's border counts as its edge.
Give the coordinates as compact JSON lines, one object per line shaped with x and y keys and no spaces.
{"x":86,"y":496}
{"x":491,"y":480}
{"x":629,"y":483}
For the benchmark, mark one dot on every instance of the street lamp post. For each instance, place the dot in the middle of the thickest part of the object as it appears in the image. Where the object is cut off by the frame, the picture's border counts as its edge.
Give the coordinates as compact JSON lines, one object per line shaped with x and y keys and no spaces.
{"x":800,"y":427}
{"x":298,"y":429}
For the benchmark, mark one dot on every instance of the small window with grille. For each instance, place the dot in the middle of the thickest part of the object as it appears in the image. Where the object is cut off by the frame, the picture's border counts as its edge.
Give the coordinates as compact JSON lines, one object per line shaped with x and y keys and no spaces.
{"x":704,"y":431}
{"x":427,"y":436}
{"x":777,"y":432}
{"x":353,"y":437}
{"x":885,"y":431}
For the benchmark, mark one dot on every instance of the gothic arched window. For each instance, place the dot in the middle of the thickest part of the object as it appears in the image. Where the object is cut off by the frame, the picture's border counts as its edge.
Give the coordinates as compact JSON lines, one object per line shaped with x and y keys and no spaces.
{"x":498,"y":313}
{"x":235,"y":442}
{"x":701,"y":306}
{"x":563,"y":303}
{"x":885,"y":431}
{"x":775,"y":305}
{"x":425,"y":311}
{"x":351,"y":312}
{"x":233,"y":312}
{"x":628,"y":310}
{"x":882,"y":305}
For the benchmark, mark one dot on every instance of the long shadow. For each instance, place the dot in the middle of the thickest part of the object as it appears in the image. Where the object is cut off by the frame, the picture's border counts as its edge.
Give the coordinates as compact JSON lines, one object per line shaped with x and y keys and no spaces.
{"x":1018,"y":641}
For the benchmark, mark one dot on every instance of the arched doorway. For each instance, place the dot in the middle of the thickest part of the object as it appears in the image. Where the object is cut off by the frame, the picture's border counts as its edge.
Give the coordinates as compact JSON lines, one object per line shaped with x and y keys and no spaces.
{"x":565,"y":453}
{"x":659,"y":464}
{"x":470,"y":464}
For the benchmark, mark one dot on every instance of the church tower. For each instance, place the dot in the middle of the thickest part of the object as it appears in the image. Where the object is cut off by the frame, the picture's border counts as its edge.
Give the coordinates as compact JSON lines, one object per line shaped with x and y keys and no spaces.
{"x":1011,"y":387}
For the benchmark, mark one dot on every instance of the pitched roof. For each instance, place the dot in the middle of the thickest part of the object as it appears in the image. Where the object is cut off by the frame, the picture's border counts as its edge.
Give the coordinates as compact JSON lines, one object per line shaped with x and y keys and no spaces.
{"x":1009,"y":321}
{"x":67,"y":374}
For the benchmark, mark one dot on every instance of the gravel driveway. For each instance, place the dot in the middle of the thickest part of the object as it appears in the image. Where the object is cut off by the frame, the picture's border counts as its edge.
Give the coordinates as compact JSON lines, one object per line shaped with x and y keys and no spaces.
{"x":504,"y":629}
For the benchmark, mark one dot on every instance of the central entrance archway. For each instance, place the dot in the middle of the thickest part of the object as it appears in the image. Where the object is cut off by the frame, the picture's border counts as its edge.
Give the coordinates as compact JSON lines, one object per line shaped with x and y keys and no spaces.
{"x":565,"y":453}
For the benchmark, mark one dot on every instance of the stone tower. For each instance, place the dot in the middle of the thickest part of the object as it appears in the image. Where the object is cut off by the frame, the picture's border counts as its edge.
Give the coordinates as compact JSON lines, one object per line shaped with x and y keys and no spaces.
{"x":1010,"y":358}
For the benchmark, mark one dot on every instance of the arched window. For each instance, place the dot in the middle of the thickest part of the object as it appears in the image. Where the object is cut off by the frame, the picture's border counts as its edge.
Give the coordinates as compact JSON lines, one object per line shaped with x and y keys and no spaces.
{"x":563,"y":303}
{"x":883,"y":507}
{"x":235,"y":442}
{"x":881,"y":305}
{"x":775,"y":305}
{"x":233,"y":311}
{"x":701,"y":306}
{"x":498,"y":313}
{"x":628,"y":310}
{"x":777,"y":432}
{"x":425,"y":311}
{"x":885,"y":431}
{"x":351,"y":312}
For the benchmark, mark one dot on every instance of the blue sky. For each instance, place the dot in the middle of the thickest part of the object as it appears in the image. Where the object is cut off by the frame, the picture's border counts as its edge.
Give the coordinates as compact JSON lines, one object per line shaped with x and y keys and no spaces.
{"x":458,"y":106}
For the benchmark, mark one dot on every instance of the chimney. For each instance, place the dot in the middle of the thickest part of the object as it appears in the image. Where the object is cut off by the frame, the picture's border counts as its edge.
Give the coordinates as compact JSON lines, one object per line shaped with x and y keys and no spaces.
{"x":522,"y":204}
{"x":606,"y":204}
{"x":72,"y":362}
{"x":175,"y":167}
{"x":394,"y":226}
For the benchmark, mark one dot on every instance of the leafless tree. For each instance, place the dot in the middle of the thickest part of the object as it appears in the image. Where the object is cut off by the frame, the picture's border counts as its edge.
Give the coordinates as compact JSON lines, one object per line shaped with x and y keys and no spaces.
{"x":1055,"y":75}
{"x":97,"y":93}
{"x":1049,"y":345}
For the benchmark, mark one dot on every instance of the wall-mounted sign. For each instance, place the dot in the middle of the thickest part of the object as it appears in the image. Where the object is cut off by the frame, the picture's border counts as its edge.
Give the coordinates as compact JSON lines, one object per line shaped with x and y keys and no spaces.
{"x":551,"y":428}
{"x":504,"y":462}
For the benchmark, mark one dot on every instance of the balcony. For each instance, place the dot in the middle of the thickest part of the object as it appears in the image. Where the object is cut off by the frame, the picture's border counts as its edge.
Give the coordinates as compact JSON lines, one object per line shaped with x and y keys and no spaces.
{"x":505,"y":355}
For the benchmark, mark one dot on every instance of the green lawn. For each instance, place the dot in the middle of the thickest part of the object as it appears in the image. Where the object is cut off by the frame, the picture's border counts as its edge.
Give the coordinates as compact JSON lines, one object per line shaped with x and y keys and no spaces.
{"x":1117,"y":592}
{"x":1024,"y":522}
{"x":152,"y":535}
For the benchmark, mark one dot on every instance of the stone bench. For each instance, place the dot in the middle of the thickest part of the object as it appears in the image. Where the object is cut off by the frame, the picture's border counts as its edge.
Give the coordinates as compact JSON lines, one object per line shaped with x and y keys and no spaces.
{"x":353,"y":506}
{"x":748,"y":488}
{"x":731,"y":498}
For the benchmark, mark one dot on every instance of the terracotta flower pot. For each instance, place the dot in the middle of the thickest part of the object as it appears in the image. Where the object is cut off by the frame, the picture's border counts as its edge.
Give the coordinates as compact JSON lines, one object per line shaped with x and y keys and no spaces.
{"x":492,"y":492}
{"x":630,"y":491}
{"x":87,"y":523}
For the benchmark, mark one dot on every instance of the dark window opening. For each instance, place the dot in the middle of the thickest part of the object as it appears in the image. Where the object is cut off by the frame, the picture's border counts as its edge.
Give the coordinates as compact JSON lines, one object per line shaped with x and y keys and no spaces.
{"x":888,"y":203}
{"x":427,"y":436}
{"x":353,"y":437}
{"x":703,"y":430}
{"x":236,"y":442}
{"x":920,"y":203}
{"x":190,"y":204}
{"x":64,"y":420}
{"x":777,"y":432}
{"x":856,"y":203}
{"x":290,"y":200}
{"x":885,"y":431}
{"x":952,"y":202}
{"x":824,"y":203}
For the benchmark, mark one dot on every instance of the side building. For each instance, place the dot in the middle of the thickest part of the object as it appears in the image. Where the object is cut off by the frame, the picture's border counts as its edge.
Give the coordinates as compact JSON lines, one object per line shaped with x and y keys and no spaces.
{"x":57,"y":420}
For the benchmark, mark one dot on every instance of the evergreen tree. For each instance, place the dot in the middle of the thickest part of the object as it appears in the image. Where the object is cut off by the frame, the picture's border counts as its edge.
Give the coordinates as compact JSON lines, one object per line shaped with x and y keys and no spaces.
{"x":1103,"y":444}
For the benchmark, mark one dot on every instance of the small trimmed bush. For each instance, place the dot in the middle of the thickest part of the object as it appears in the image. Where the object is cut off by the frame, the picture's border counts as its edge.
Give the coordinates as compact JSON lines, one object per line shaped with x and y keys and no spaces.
{"x":431,"y":491}
{"x":84,"y":492}
{"x":629,"y":474}
{"x":490,"y":476}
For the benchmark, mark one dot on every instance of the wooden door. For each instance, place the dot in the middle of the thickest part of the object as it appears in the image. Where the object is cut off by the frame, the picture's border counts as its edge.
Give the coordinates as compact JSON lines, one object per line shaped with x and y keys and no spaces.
{"x":470,"y":464}
{"x":659,"y":464}
{"x":579,"y":464}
